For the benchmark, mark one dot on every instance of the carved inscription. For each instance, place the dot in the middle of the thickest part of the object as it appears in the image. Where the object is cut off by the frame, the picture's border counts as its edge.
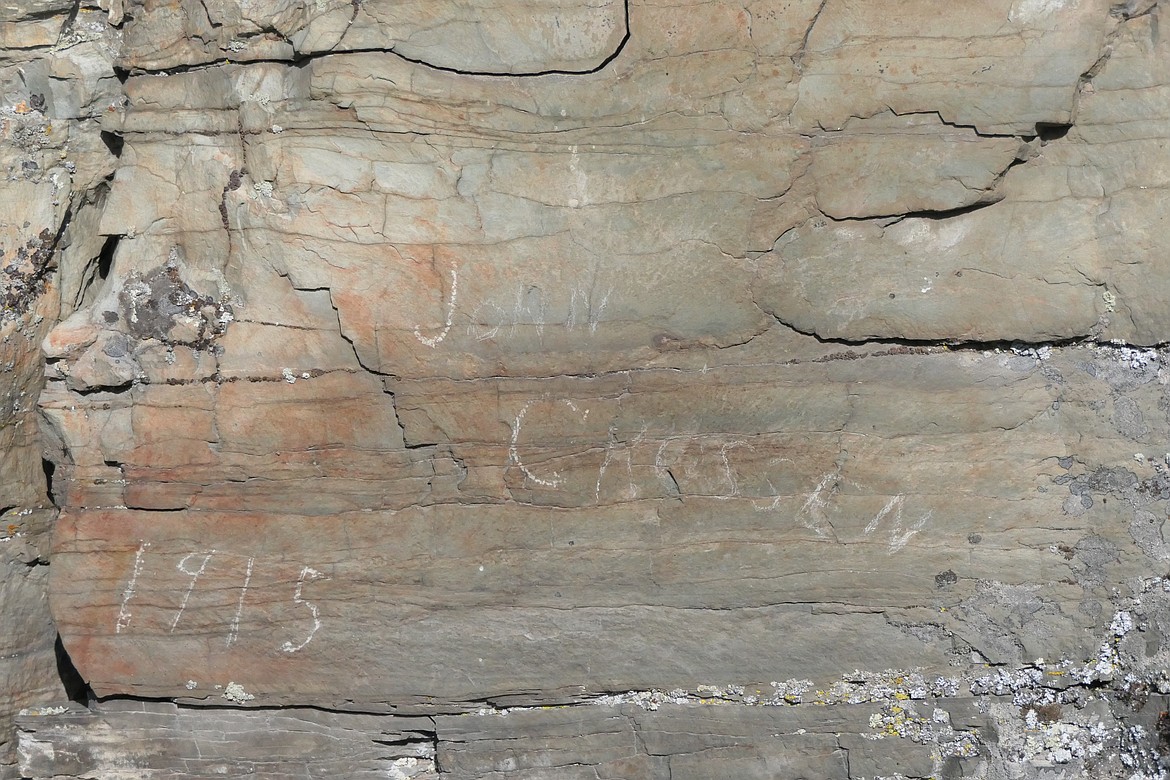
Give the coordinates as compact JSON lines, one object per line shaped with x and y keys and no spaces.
{"x":900,"y":532}
{"x":579,"y":306}
{"x":452,"y":298}
{"x":716,"y":466}
{"x":131,"y":589}
{"x":193,"y":566}
{"x":307,"y":573}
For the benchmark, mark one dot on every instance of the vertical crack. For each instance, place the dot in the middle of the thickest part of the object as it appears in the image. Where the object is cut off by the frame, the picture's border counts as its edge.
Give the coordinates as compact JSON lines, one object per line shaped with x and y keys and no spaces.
{"x":50,"y":469}
{"x":798,"y":58}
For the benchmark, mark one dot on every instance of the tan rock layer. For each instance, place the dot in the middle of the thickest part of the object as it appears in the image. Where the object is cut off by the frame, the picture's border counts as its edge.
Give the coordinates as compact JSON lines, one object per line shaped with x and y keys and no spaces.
{"x":569,"y":534}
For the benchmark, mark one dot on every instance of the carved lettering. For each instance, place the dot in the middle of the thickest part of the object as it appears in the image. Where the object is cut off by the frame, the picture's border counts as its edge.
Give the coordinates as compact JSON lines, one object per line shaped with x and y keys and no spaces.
{"x":308,"y":573}
{"x":182,"y":566}
{"x":127,"y":594}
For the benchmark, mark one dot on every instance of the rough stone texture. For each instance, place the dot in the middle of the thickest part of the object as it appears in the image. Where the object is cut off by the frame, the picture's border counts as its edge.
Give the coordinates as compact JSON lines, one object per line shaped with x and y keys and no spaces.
{"x":28,"y":665}
{"x":673,"y":741}
{"x":610,"y":389}
{"x":55,"y":72}
{"x":28,"y":672}
{"x":527,"y":37}
{"x":555,"y":541}
{"x":135,"y":740}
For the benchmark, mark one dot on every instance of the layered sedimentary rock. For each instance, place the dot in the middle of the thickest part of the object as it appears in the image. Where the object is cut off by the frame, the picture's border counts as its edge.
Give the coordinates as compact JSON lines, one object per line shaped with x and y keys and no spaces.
{"x":56,"y":77}
{"x":625,"y":389}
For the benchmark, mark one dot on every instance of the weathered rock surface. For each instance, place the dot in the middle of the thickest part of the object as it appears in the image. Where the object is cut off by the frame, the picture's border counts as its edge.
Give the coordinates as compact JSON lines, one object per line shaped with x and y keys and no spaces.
{"x":55,"y":72}
{"x":611,"y":389}
{"x":150,"y":739}
{"x":546,"y":545}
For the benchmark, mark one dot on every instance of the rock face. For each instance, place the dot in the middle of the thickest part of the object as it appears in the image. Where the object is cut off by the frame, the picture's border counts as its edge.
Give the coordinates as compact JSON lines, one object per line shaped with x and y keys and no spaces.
{"x":56,"y":77}
{"x":613,"y":389}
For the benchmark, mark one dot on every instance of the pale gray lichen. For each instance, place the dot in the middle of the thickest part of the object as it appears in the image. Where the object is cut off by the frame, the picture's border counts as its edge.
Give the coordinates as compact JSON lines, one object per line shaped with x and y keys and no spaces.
{"x":233,"y":691}
{"x":1072,"y":717}
{"x":647,"y":700}
{"x":410,"y":767}
{"x":790,"y":691}
{"x":1039,"y":353}
{"x":1121,"y":624}
{"x":902,"y":719}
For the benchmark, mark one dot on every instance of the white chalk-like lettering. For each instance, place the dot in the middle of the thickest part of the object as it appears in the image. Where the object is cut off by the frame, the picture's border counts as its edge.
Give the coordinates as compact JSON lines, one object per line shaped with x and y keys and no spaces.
{"x":182,"y":566}
{"x":732,"y":482}
{"x":900,"y":537}
{"x":660,"y":469}
{"x":234,"y":632}
{"x":777,"y":498}
{"x":434,"y":341}
{"x":613,"y":446}
{"x":899,"y":534}
{"x":553,"y":481}
{"x":127,"y":594}
{"x":529,"y":308}
{"x":480,"y":331}
{"x":307,"y":573}
{"x":812,"y":513}
{"x":582,"y":301}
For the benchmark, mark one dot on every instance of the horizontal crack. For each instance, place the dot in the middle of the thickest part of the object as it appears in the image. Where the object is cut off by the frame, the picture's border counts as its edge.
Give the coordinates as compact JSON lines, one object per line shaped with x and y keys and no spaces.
{"x":304,"y":59}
